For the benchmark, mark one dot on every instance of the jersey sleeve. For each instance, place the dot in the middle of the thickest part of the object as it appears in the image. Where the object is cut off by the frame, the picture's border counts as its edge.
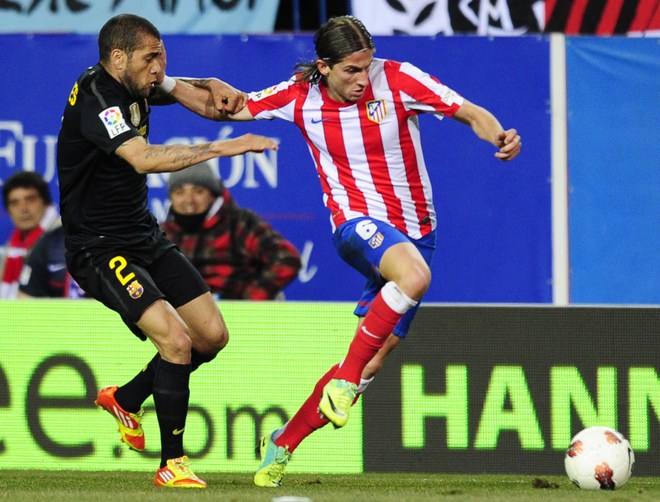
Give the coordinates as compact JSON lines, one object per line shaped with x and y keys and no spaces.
{"x":104,"y":122}
{"x":424,"y":93}
{"x":275,"y":102}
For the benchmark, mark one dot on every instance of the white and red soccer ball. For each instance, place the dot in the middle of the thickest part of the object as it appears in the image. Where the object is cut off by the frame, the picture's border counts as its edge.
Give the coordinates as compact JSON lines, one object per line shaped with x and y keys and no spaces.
{"x":599,"y":458}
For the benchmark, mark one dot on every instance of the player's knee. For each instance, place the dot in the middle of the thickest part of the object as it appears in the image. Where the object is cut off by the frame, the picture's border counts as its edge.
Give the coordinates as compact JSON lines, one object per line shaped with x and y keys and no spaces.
{"x":422,"y":277}
{"x":215,"y":338}
{"x":415,"y":281}
{"x":221,"y":338}
{"x":176,"y":346}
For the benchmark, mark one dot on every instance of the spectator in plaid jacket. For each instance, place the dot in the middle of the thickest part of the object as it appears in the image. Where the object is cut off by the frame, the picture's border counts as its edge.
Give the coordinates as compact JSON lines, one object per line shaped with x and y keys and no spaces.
{"x":239,"y":255}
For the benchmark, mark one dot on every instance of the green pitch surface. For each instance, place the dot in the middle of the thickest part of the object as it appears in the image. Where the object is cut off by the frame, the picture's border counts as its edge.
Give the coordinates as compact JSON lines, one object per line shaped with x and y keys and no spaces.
{"x":115,"y":486}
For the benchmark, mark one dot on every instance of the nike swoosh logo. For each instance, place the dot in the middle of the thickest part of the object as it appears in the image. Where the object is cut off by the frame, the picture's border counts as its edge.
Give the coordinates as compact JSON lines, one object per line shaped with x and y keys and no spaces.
{"x":332,"y":405}
{"x":54,"y":267}
{"x":318,"y":121}
{"x":177,"y":432}
{"x":368,"y":333}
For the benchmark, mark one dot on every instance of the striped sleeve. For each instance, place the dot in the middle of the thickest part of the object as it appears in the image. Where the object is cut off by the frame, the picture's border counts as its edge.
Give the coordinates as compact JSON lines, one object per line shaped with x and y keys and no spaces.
{"x":422,"y":92}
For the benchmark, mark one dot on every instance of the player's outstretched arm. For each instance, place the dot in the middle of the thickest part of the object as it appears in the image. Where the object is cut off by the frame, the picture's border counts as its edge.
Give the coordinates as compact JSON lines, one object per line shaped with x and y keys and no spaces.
{"x":208,"y":97}
{"x":212,"y":97}
{"x":146,"y":158}
{"x":486,"y":126}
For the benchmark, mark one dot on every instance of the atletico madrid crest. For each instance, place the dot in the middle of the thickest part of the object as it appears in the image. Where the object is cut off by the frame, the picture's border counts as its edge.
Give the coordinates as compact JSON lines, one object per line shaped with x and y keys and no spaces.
{"x":376,"y":110}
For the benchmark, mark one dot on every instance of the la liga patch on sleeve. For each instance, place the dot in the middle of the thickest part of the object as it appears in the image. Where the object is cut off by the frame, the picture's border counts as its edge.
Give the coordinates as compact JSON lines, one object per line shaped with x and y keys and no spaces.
{"x":113,"y":120}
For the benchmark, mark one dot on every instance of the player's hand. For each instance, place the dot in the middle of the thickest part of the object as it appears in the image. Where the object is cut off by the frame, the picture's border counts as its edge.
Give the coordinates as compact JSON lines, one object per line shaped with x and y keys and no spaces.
{"x":247,"y":143}
{"x":162,"y":59}
{"x":510,"y":144}
{"x":226,"y":99}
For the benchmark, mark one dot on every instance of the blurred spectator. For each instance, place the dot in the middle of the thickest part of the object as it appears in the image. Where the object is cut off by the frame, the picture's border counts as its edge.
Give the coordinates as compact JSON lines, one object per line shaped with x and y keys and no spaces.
{"x":27,"y":199}
{"x":44,"y":272}
{"x":239,"y":255}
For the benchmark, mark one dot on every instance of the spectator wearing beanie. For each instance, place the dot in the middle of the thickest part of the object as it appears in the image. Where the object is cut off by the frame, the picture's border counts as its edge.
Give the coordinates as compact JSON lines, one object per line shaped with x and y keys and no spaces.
{"x":239,"y":255}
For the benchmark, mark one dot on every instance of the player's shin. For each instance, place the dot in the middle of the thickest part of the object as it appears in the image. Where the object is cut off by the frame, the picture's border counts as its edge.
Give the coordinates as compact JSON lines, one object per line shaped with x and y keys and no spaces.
{"x":385,"y":312}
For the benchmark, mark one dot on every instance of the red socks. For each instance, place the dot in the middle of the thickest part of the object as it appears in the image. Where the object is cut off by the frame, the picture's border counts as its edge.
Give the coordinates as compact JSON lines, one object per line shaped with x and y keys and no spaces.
{"x":307,"y":419}
{"x":369,"y":338}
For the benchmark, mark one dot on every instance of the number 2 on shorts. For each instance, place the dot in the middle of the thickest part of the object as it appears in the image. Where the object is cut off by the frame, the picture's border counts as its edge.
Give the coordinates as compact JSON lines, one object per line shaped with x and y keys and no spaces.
{"x":118,"y":264}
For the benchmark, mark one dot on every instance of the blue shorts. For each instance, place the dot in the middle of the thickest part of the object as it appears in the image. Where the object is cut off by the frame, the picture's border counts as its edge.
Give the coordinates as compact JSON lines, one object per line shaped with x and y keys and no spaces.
{"x":361,"y":243}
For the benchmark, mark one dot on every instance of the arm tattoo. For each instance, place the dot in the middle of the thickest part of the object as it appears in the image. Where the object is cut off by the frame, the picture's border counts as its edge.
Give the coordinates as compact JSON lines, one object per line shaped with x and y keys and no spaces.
{"x":178,"y":155}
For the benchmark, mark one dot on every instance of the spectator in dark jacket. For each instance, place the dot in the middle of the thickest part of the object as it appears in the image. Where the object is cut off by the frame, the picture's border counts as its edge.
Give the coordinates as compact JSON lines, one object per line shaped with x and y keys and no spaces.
{"x":239,"y":255}
{"x":44,"y":273}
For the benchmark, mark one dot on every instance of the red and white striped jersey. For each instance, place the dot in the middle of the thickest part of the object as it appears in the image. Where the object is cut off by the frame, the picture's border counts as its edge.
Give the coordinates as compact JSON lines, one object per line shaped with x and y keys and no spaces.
{"x":367,"y":153}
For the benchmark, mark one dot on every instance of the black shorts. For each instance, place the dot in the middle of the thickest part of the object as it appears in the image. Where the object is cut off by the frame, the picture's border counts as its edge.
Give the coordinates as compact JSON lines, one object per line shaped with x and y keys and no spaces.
{"x":129,"y":280}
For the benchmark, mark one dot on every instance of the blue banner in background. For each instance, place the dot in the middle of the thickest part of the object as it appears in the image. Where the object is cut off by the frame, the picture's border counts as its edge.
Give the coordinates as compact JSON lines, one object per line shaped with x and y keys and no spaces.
{"x":614,"y":168}
{"x":494,"y":218}
{"x":173,"y":16}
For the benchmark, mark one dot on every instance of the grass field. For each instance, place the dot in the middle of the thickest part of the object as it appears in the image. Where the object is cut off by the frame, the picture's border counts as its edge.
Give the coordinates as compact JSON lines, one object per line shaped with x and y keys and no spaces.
{"x":52,"y":486}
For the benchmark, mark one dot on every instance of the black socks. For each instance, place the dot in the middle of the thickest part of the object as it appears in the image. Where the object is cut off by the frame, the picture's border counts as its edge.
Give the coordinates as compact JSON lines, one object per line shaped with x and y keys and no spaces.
{"x":131,"y":395}
{"x":171,"y":393}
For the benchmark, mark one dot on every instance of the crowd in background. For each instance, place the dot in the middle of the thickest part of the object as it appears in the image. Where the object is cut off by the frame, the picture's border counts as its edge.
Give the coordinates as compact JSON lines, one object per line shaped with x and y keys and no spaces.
{"x":239,"y":254}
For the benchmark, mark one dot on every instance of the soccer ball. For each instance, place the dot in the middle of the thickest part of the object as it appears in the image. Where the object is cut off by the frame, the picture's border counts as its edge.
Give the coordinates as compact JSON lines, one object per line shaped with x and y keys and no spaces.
{"x":599,"y":458}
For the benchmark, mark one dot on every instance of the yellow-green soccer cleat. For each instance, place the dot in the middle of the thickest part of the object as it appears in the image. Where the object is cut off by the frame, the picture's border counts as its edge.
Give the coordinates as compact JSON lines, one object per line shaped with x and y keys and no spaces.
{"x":178,"y":474}
{"x":274,"y":460}
{"x":129,"y":423}
{"x":336,"y":401}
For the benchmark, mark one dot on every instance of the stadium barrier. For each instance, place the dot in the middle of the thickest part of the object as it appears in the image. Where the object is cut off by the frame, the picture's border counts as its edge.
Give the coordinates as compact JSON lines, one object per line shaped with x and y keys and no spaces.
{"x":472,"y":389}
{"x":57,"y":353}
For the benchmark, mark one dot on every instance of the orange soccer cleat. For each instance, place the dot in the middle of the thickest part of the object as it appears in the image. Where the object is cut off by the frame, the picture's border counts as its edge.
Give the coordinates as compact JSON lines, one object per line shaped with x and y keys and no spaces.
{"x":129,"y":423}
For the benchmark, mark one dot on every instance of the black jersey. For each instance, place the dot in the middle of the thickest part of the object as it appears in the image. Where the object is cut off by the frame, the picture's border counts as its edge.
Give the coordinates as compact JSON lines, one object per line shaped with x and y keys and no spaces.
{"x":103,"y":200}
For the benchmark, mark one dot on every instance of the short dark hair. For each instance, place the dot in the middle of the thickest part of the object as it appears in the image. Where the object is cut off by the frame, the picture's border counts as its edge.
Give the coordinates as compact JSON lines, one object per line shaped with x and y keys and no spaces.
{"x":124,"y":32}
{"x":337,"y":39}
{"x":26,"y":179}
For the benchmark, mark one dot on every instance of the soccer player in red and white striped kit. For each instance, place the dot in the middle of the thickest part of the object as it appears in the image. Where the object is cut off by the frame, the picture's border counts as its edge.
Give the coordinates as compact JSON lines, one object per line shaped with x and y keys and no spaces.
{"x":358,"y":115}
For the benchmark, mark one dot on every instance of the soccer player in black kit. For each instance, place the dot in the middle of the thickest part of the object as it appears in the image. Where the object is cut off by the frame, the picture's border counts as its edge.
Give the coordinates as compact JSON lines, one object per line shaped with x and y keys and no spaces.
{"x":114,"y":247}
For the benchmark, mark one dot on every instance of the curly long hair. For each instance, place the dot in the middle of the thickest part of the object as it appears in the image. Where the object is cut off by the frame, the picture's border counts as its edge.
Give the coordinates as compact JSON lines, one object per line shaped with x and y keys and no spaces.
{"x":338,"y":38}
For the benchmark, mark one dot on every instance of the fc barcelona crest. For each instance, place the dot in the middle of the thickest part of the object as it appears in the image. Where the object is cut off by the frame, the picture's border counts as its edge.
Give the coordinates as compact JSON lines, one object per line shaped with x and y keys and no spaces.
{"x":135,"y":290}
{"x":376,"y":110}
